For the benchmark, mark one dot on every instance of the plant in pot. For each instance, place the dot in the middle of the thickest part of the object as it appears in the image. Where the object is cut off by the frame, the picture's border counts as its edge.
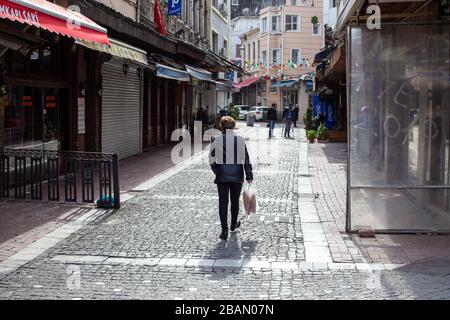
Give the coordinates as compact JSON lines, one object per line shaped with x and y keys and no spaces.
{"x":311,"y":135}
{"x":308,"y":118}
{"x":234,"y":111}
{"x":322,"y":133}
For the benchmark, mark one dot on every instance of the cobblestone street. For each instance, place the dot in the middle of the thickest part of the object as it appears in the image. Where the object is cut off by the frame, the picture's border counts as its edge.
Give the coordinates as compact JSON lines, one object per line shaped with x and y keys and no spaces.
{"x":163,"y":243}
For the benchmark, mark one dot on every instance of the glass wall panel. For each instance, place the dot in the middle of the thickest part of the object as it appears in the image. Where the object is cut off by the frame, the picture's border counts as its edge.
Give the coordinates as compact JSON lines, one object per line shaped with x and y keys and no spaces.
{"x":399,"y":122}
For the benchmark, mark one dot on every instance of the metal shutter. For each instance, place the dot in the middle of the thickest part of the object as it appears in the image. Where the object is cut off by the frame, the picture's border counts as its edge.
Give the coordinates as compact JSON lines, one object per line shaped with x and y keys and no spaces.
{"x":121,"y":109}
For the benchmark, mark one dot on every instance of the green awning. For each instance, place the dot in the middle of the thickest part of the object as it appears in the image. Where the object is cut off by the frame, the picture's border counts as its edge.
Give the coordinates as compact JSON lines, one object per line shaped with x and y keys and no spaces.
{"x":118,"y":49}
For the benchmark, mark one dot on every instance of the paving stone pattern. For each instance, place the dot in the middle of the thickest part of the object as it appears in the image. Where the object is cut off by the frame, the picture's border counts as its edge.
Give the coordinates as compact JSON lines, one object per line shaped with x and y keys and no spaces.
{"x":163,"y":244}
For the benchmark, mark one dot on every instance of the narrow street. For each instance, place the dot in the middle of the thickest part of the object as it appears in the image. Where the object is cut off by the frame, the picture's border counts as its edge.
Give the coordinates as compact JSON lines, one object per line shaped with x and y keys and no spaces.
{"x":163,"y":243}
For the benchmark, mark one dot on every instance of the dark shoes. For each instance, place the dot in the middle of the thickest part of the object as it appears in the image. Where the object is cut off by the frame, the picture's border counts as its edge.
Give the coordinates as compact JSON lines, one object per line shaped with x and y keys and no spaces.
{"x":235,"y":226}
{"x":224,"y":234}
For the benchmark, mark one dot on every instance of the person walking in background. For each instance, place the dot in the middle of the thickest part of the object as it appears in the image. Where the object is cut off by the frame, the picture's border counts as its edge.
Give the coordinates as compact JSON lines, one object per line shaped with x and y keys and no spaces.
{"x":229,"y":161}
{"x":200,"y":115}
{"x":288,"y":116}
{"x":205,"y":119}
{"x":272,"y":118}
{"x":296,"y":112}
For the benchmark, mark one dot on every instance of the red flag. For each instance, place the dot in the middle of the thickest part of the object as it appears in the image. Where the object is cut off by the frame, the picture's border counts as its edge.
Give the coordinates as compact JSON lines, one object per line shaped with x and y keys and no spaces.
{"x":157,"y":12}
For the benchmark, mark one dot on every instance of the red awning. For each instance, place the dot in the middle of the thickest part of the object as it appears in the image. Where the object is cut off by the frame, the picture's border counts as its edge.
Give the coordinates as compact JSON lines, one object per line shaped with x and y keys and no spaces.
{"x":246,"y":82}
{"x":54,"y":18}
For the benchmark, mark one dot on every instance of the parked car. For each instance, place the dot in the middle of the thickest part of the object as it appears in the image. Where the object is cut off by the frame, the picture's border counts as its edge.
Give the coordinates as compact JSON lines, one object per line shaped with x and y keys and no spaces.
{"x":243,"y":110}
{"x":258,"y":112}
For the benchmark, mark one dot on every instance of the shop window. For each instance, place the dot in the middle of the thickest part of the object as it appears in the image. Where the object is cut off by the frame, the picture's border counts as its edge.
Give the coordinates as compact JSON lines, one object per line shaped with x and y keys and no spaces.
{"x":18,"y":63}
{"x":32,"y":118}
{"x":47,"y":60}
{"x":35,"y":62}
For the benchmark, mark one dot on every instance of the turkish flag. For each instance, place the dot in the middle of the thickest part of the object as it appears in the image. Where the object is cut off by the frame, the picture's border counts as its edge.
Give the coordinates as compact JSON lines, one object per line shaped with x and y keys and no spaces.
{"x":157,"y":12}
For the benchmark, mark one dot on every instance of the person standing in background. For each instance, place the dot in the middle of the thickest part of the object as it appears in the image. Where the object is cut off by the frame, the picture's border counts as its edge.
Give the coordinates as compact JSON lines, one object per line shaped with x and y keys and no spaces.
{"x":288,"y":115}
{"x":272,"y":118}
{"x":296,"y":112}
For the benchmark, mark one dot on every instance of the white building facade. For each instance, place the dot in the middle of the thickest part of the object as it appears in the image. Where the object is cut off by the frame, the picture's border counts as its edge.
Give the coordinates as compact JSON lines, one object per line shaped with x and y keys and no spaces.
{"x":220,"y":44}
{"x":240,"y":26}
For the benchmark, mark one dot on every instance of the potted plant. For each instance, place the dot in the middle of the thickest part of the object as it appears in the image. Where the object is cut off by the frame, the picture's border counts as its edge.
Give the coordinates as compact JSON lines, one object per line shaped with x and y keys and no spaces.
{"x":234,"y":111}
{"x":308,"y":118}
{"x":311,"y":135}
{"x":322,"y":133}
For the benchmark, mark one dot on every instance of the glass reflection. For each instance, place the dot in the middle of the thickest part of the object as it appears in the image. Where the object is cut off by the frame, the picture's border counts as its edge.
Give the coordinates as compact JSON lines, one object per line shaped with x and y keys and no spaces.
{"x":399,"y":121}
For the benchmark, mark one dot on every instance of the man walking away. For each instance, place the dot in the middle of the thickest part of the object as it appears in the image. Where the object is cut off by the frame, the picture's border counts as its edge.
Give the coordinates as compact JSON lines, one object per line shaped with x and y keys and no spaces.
{"x":288,"y":115}
{"x":296,"y":112}
{"x":272,"y":118}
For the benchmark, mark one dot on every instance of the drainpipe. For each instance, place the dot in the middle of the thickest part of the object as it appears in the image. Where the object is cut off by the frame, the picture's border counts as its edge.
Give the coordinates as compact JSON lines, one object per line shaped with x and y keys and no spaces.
{"x":138,"y":11}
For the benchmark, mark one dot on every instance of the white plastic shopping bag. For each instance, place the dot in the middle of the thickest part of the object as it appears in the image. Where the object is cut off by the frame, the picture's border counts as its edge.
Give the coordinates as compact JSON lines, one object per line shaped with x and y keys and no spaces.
{"x":250,"y":199}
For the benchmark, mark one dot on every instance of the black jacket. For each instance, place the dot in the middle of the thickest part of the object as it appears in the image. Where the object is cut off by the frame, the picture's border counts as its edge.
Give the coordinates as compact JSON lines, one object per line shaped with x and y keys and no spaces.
{"x":296,"y":112}
{"x":272,"y":114}
{"x":222,"y":163}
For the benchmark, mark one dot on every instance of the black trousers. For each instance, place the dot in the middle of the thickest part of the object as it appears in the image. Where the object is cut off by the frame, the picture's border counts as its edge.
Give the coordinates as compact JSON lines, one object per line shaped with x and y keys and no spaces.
{"x":229,"y":191}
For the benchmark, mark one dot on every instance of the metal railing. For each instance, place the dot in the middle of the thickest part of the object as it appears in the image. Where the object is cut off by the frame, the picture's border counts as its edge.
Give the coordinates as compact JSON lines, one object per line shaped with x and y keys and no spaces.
{"x":60,"y":176}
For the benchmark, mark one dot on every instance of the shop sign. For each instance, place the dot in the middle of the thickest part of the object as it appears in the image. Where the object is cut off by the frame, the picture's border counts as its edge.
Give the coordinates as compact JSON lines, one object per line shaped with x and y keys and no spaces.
{"x":229,"y":75}
{"x":20,"y":14}
{"x":175,"y":7}
{"x":81,"y":115}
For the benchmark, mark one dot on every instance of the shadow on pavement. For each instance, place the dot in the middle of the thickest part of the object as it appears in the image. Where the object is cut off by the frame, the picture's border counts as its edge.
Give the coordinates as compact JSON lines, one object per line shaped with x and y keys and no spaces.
{"x":232,"y":250}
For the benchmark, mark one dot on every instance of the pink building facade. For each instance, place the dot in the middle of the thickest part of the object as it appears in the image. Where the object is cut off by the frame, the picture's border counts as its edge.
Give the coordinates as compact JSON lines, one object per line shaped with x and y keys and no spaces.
{"x":289,"y":37}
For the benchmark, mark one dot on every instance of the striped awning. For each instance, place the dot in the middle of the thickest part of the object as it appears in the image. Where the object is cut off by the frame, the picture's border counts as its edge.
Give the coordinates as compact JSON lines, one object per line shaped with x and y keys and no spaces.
{"x":118,"y":49}
{"x":54,"y":18}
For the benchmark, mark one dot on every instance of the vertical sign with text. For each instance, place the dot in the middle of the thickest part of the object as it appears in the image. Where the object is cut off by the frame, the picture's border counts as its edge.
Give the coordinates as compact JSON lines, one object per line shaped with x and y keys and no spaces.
{"x":174,"y":8}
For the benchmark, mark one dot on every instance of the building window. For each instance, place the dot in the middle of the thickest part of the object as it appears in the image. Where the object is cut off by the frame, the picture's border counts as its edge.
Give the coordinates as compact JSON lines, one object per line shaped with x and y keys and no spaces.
{"x":316,"y":29}
{"x":276,"y":57}
{"x":264,"y":25}
{"x":238,"y":51}
{"x":264,"y":57}
{"x":295,"y":56}
{"x":276,"y":24}
{"x":292,"y":23}
{"x":215,"y":42}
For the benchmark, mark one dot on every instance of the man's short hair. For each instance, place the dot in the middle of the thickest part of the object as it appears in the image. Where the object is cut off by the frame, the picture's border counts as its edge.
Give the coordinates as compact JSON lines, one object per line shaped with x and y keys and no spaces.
{"x":227,"y":122}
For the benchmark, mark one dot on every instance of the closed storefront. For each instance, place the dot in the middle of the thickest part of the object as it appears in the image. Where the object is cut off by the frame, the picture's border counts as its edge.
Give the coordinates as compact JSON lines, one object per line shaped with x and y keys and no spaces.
{"x":121,"y":108}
